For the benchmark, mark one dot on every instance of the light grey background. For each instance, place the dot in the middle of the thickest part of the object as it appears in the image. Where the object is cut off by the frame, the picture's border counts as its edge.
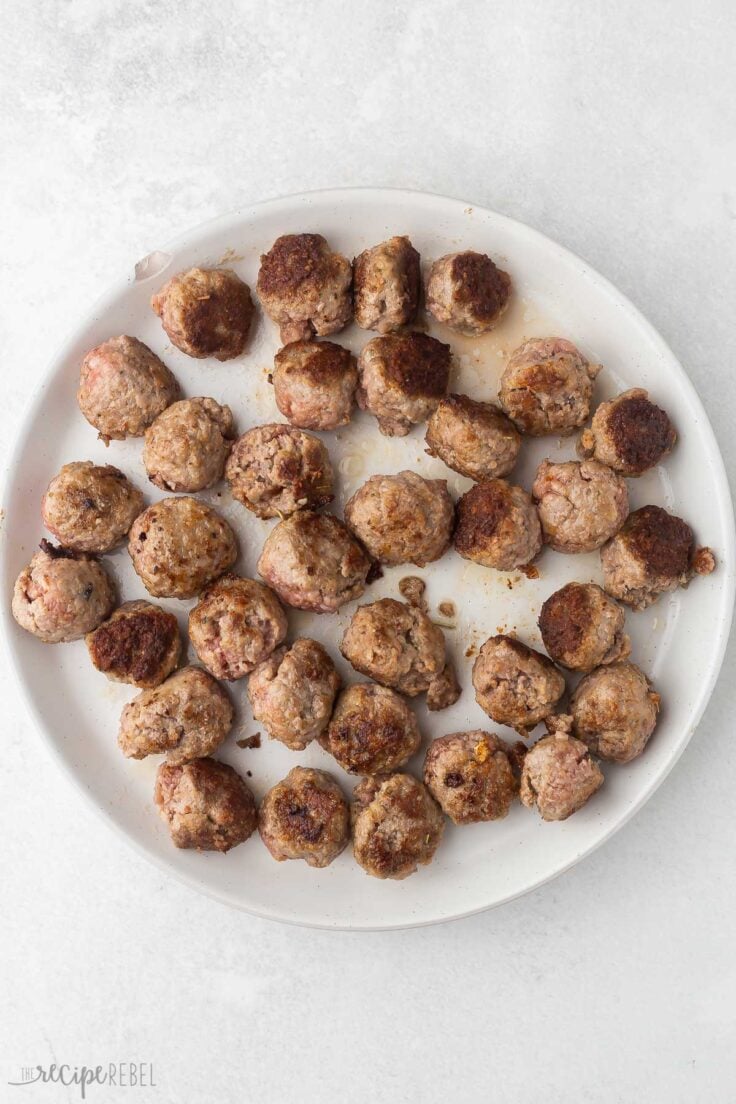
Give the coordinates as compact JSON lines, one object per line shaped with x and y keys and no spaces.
{"x":611,"y":128}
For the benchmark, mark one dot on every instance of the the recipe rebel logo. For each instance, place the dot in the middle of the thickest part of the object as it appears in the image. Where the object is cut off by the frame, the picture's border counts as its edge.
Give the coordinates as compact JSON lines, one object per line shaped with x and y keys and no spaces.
{"x":120,"y":1075}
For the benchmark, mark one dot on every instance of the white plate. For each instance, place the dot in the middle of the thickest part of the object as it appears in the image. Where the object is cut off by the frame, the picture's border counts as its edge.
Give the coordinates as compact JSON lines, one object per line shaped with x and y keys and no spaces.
{"x":679,"y":642}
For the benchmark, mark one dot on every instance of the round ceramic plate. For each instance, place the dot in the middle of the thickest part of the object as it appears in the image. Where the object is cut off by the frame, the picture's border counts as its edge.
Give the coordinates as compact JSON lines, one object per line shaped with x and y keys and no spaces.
{"x":679,"y":642}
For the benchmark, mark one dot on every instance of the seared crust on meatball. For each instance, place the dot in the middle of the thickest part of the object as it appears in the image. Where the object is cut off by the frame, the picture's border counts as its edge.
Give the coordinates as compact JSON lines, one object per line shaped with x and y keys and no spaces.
{"x":277,"y":469}
{"x":139,"y":644}
{"x":62,"y":595}
{"x":372,"y":731}
{"x":188,"y":715}
{"x":186,"y":447}
{"x":629,"y":433}
{"x":397,"y":826}
{"x":473,"y":438}
{"x":614,"y":711}
{"x":547,"y":387}
{"x":314,"y":384}
{"x":293,"y":691}
{"x":206,"y":805}
{"x":90,"y":507}
{"x":235,"y":625}
{"x":467,"y":292}
{"x":305,"y":816}
{"x":402,"y":518}
{"x":497,"y":526}
{"x":305,"y":287}
{"x":581,"y":504}
{"x":471,"y":777}
{"x":402,"y":379}
{"x":206,"y":312}
{"x":583,"y":628}
{"x":558,"y":776}
{"x":396,"y":645}
{"x":515,"y":685}
{"x":179,"y":545}
{"x":386,"y":282}
{"x":123,"y":386}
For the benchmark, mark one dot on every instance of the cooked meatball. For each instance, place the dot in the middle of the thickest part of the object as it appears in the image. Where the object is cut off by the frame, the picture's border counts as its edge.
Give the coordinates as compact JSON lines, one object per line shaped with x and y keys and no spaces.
{"x":276,"y":469}
{"x":653,"y":553}
{"x":581,"y":504}
{"x":471,"y":777}
{"x":515,"y":685}
{"x":629,"y":433}
{"x":62,"y":595}
{"x":444,"y":690}
{"x":139,"y":644}
{"x":473,"y":438}
{"x":546,"y":387}
{"x":397,"y":825}
{"x":123,"y":386}
{"x":402,"y":379}
{"x":206,"y":312}
{"x":236,"y":624}
{"x":188,"y":715}
{"x":314,"y":384}
{"x":386,"y":285}
{"x":372,"y":730}
{"x":179,"y":545}
{"x":396,"y":645}
{"x":467,"y":292}
{"x":186,"y":447}
{"x":305,"y":816}
{"x":305,"y":287}
{"x":615,"y":711}
{"x":582,"y":628}
{"x":402,"y":518}
{"x":292,"y":693}
{"x":558,"y":776}
{"x":497,"y":526}
{"x":90,"y":507}
{"x":206,"y":805}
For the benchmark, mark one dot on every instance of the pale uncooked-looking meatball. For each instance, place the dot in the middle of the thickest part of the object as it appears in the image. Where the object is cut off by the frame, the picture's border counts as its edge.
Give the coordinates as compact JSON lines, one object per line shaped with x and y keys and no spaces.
{"x":123,"y":386}
{"x":61,"y":595}
{"x":614,"y":711}
{"x":139,"y":644}
{"x":386,"y":283}
{"x":206,"y":312}
{"x":515,"y":685}
{"x":305,"y":816}
{"x":314,"y":384}
{"x":497,"y":526}
{"x":470,"y":775}
{"x":396,"y":645}
{"x":305,"y":287}
{"x":313,"y":562}
{"x":293,"y":691}
{"x":629,"y":433}
{"x":206,"y":804}
{"x":186,"y":447}
{"x":467,"y":292}
{"x":402,"y":379}
{"x":558,"y":776}
{"x":277,"y":469}
{"x":547,"y":386}
{"x":402,"y":518}
{"x":583,"y":628}
{"x":581,"y":504}
{"x":90,"y":507}
{"x":179,"y":545}
{"x":235,"y":625}
{"x":473,"y":438}
{"x":187,"y":716}
{"x":397,"y":826}
{"x":372,"y":731}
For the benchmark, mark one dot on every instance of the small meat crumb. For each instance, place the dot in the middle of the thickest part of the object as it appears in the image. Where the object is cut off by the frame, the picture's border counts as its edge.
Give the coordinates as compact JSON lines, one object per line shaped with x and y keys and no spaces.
{"x":704,"y":561}
{"x":470,"y":651}
{"x":530,"y":571}
{"x":412,"y":589}
{"x":444,"y":690}
{"x":250,"y":741}
{"x":447,"y":609}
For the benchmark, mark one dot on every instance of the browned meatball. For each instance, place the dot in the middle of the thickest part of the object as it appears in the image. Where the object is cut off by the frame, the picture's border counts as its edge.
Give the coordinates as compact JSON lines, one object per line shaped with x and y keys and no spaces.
{"x":397,"y":826}
{"x":402,"y":518}
{"x":314,"y":384}
{"x":305,"y":287}
{"x":235,"y":625}
{"x":179,"y":545}
{"x":629,"y":433}
{"x":473,"y":438}
{"x":547,"y":386}
{"x":186,"y":447}
{"x":139,"y":644}
{"x":582,"y":628}
{"x":372,"y":730}
{"x":62,"y":595}
{"x":497,"y":526}
{"x":581,"y":504}
{"x":515,"y":685}
{"x":471,"y":777}
{"x":444,"y":690}
{"x":206,"y":805}
{"x":467,"y":292}
{"x":614,"y":711}
{"x":402,"y":379}
{"x":276,"y":469}
{"x":305,"y":816}
{"x":90,"y":507}
{"x":123,"y":386}
{"x":188,"y":715}
{"x":558,"y":776}
{"x":206,"y":312}
{"x":395,"y":644}
{"x":313,"y":562}
{"x":386,"y":285}
{"x":292,"y":693}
